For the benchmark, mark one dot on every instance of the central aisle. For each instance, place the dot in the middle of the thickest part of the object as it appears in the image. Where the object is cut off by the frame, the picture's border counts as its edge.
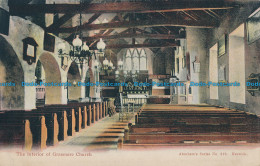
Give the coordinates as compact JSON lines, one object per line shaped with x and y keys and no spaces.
{"x":102,"y":135}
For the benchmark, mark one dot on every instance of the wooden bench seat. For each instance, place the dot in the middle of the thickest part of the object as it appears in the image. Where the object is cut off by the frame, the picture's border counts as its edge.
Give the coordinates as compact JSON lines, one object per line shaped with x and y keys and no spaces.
{"x":50,"y":123}
{"x":79,"y":115}
{"x":189,"y":128}
{"x":102,"y":105}
{"x":24,"y":128}
{"x":191,"y":124}
{"x":190,"y":119}
{"x":194,"y":137}
{"x":17,"y":134}
{"x":89,"y":115}
{"x":71,"y":120}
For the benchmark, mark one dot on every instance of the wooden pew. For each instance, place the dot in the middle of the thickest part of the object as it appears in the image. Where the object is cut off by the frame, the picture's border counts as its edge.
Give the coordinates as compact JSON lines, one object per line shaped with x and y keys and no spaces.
{"x":62,"y":119}
{"x":77,"y":114}
{"x":23,"y":128}
{"x":192,"y":118}
{"x":99,"y":112}
{"x":168,"y":124}
{"x":193,"y":138}
{"x":86,"y":112}
{"x":51,"y":123}
{"x":104,"y":109}
{"x":234,"y":119}
{"x":78,"y":117}
{"x":83,"y":111}
{"x":17,"y":134}
{"x":99,"y":109}
{"x":89,"y":120}
{"x":71,"y":118}
{"x":189,"y":128}
{"x":96,"y":110}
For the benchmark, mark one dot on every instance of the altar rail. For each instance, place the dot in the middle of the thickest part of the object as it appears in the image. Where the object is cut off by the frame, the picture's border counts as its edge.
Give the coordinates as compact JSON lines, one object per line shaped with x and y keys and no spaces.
{"x":136,"y":101}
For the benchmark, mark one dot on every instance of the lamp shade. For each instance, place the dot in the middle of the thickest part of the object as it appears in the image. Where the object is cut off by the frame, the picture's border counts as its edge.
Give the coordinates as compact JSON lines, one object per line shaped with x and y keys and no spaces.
{"x":105,"y":62}
{"x":77,"y":42}
{"x":101,"y":45}
{"x":110,"y":64}
{"x":85,"y":47}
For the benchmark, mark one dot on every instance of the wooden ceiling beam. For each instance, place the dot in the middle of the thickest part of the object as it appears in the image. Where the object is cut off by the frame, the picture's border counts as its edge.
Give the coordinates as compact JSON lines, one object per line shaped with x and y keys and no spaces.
{"x":91,"y":20}
{"x":134,"y":35}
{"x":120,"y":7}
{"x":121,"y":46}
{"x":62,"y":20}
{"x":189,"y":15}
{"x":144,"y":23}
{"x":107,"y":32}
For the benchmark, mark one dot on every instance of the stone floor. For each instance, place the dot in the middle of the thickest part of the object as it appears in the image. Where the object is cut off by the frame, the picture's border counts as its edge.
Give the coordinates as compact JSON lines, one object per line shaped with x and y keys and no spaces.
{"x":103,"y":135}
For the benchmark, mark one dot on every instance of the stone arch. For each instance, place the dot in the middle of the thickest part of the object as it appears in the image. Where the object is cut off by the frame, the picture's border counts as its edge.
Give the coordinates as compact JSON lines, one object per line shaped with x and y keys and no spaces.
{"x":11,"y":97}
{"x":74,"y":91}
{"x":52,"y":74}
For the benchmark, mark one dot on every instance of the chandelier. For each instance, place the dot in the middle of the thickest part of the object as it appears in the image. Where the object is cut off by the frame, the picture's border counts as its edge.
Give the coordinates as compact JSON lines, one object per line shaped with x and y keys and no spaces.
{"x":80,"y":52}
{"x":107,"y":66}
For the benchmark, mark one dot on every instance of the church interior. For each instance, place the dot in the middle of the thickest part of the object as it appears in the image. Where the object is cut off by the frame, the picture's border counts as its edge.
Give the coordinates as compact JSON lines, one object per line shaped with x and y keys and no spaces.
{"x":129,"y":74}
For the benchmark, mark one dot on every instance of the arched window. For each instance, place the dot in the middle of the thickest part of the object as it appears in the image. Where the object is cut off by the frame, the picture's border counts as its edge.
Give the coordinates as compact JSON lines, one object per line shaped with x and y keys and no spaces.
{"x":135,"y":60}
{"x":135,"y":55}
{"x":128,"y":61}
{"x":143,"y":60}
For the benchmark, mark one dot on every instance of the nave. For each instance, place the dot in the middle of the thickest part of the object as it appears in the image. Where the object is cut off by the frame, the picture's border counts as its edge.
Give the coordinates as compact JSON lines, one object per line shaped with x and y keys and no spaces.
{"x":119,"y":76}
{"x":89,"y":127}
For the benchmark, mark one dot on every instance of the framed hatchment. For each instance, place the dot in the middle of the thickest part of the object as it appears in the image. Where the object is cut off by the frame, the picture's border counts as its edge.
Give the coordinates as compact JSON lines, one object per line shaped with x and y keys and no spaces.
{"x":29,"y":50}
{"x":49,"y":42}
{"x":222,"y":45}
{"x":253,"y":27}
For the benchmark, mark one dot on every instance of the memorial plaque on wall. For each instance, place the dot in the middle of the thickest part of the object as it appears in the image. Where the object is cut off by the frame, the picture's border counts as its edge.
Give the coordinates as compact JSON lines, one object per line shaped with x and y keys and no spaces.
{"x":222,"y":43}
{"x":49,"y":42}
{"x":253,"y":27}
{"x":4,"y":20}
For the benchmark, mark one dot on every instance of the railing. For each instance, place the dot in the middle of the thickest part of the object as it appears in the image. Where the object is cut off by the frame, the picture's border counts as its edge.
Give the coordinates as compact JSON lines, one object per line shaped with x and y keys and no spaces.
{"x":136,"y":101}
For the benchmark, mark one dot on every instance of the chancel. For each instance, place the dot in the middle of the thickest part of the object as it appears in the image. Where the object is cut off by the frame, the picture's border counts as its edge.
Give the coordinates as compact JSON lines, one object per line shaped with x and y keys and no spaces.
{"x":129,"y":74}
